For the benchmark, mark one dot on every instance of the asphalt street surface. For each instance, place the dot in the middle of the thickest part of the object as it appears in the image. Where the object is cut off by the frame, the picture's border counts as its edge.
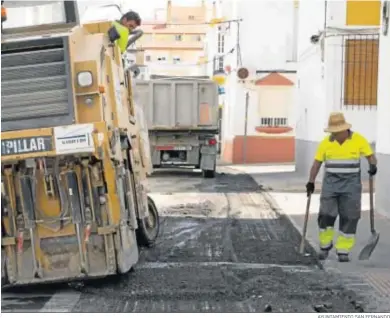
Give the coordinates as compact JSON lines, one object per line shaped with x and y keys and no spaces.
{"x":222,"y":248}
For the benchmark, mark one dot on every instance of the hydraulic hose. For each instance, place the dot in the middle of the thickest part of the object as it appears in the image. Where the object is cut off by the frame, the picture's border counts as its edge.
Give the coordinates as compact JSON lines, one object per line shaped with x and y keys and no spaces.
{"x":64,"y":203}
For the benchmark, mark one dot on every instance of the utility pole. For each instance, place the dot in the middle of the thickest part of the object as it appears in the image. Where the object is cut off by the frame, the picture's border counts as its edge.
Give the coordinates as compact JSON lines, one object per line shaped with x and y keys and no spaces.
{"x":243,"y":74}
{"x":244,"y":142}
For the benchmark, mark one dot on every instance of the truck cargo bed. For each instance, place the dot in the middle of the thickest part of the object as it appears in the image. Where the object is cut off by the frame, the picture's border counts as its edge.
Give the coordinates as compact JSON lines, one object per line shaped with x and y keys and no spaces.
{"x":179,"y":105}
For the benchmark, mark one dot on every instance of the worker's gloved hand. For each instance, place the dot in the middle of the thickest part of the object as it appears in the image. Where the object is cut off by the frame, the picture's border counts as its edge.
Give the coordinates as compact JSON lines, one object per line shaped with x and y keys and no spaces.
{"x":310,"y":188}
{"x":372,"y":171}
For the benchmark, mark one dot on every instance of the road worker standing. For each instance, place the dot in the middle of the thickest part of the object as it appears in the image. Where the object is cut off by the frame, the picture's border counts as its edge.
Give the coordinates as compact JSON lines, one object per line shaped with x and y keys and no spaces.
{"x":341,"y":188}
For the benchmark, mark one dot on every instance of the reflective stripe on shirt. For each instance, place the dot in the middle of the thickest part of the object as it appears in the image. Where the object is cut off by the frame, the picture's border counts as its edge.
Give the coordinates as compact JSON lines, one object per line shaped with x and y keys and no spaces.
{"x":342,"y":166}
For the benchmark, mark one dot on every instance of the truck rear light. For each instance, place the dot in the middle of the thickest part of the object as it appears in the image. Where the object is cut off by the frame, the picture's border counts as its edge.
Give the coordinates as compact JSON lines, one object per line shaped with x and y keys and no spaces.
{"x":212,"y":142}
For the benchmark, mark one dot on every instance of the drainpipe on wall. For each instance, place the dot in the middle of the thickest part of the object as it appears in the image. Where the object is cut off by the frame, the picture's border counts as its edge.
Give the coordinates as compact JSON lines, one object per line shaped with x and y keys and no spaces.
{"x":324,"y":35}
{"x":169,"y":11}
{"x":295,"y":31}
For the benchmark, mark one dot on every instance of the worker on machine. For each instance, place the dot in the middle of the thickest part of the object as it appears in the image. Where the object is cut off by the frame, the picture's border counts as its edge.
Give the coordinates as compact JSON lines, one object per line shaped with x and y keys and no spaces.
{"x":341,"y":188}
{"x":122,"y":29}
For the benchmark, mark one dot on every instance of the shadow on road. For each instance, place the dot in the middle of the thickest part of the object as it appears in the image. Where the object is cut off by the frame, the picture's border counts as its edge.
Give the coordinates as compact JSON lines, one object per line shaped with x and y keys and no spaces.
{"x":176,"y":181}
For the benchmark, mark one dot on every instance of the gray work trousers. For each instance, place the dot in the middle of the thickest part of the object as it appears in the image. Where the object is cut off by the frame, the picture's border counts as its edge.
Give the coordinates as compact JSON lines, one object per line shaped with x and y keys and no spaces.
{"x":345,"y":205}
{"x":348,"y":207}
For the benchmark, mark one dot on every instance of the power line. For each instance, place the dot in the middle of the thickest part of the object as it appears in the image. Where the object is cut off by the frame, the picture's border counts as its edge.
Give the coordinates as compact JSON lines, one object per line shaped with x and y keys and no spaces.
{"x":195,"y":24}
{"x":203,"y":63}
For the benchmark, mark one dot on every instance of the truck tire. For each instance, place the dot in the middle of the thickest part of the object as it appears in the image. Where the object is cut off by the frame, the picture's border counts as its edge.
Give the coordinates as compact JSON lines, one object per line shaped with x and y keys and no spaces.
{"x":208,"y":174}
{"x":148,"y":228}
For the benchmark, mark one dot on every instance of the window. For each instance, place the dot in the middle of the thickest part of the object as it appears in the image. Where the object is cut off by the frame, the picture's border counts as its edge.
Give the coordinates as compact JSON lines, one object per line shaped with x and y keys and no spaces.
{"x":360,"y":71}
{"x":176,"y":59}
{"x":39,"y":13}
{"x":161,"y":58}
{"x":148,"y":58}
{"x":280,"y":122}
{"x":220,"y":49}
{"x":197,"y":38}
{"x":221,"y":42}
{"x":191,"y":17}
{"x":220,"y":64}
{"x":178,"y":37}
{"x":273,"y":122}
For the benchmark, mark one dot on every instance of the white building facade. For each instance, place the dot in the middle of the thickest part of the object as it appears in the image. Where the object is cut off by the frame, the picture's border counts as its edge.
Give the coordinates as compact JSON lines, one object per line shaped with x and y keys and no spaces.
{"x":343,"y":65}
{"x":383,"y":118}
{"x":264,"y":42}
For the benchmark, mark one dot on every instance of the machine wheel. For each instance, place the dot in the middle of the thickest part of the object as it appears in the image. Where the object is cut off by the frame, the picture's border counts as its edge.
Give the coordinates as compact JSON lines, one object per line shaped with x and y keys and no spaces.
{"x":149,"y":227}
{"x":208,"y":174}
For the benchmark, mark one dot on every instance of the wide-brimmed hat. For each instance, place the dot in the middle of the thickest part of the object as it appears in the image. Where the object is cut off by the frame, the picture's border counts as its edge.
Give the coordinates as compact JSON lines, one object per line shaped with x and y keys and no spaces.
{"x":337,"y":123}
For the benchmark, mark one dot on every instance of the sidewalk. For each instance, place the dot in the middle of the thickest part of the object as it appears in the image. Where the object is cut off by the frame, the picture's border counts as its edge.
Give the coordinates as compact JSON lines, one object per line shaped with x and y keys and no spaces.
{"x":284,"y":191}
{"x":280,"y":178}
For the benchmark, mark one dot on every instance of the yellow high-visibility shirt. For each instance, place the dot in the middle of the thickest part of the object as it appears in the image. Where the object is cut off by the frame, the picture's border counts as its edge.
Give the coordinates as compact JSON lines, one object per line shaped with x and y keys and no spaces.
{"x":124,"y":36}
{"x":353,"y":148}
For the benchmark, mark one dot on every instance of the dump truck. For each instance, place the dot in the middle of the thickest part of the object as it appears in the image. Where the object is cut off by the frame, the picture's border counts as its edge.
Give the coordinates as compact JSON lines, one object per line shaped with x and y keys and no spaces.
{"x":182,"y":118}
{"x":74,"y":166}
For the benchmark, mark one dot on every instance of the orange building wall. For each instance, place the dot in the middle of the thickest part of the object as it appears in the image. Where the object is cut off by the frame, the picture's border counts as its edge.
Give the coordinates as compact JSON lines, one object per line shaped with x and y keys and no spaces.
{"x":260,"y":149}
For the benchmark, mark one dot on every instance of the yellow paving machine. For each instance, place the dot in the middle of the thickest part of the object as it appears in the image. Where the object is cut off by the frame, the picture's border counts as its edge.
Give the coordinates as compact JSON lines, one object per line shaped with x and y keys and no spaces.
{"x":75,"y":151}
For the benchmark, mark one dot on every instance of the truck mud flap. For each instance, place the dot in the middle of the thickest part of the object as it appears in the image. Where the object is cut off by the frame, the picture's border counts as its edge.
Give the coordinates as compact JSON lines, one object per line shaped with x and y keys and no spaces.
{"x":208,"y":158}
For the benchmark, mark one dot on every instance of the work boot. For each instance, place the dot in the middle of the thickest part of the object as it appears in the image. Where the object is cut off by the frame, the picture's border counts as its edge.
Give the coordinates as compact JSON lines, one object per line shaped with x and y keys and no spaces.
{"x":324,"y":253}
{"x":343,"y":258}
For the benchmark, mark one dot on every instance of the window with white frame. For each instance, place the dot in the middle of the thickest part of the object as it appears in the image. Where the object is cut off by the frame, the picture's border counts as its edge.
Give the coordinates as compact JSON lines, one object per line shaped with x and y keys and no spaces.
{"x":176,"y":59}
{"x":273,"y":122}
{"x":161,"y":58}
{"x":221,"y":50}
{"x":221,"y":41}
{"x":148,"y":58}
{"x":178,"y":37}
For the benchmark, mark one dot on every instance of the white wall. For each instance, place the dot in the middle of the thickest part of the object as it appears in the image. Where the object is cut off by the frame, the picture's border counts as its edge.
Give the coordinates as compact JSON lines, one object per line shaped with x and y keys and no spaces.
{"x":267,"y":34}
{"x":274,"y":101}
{"x":310,"y":99}
{"x":320,"y":76}
{"x":383,"y":127}
{"x":266,"y":42}
{"x":238,"y":118}
{"x":228,"y":9}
